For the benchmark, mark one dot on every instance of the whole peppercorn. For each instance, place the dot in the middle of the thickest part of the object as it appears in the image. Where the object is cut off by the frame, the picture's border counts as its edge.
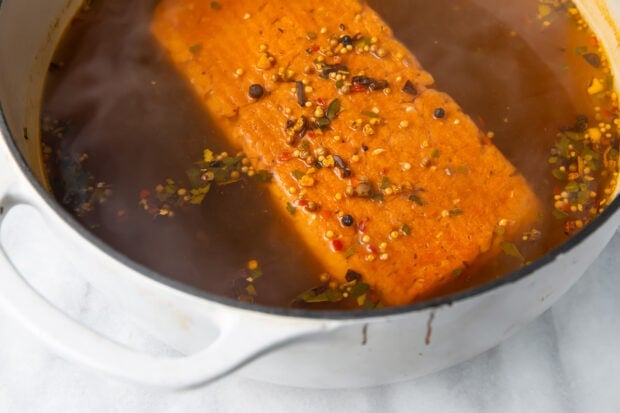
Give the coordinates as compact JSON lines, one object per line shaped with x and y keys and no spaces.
{"x":347,"y":220}
{"x":439,"y":113}
{"x":346,"y":40}
{"x":256,"y":91}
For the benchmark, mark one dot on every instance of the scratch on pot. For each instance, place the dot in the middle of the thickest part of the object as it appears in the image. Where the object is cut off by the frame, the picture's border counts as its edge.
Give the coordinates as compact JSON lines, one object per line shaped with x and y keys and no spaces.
{"x":364,"y":334}
{"x":429,"y":328}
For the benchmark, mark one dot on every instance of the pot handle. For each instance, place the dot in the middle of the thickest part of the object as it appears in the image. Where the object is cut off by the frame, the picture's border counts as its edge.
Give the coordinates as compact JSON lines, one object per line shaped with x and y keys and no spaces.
{"x":243,"y":336}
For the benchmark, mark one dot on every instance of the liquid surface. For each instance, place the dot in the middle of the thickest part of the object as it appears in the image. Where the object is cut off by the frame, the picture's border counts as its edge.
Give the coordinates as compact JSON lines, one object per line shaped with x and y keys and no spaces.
{"x":117,"y":113}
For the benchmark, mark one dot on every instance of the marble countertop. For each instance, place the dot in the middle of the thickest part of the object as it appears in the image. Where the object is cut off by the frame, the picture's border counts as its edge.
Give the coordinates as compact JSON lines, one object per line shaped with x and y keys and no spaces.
{"x":567,"y":360}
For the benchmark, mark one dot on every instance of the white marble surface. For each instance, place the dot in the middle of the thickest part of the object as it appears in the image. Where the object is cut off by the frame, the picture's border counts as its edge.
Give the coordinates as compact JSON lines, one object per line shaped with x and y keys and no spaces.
{"x":566,"y":361}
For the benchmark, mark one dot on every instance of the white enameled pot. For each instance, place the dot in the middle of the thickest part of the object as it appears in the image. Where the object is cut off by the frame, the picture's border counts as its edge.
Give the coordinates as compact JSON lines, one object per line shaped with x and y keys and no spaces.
{"x":219,"y":336}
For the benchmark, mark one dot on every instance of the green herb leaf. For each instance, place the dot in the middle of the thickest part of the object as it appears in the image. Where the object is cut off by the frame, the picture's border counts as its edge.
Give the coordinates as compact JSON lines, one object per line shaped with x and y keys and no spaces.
{"x":511,"y":249}
{"x":305,"y":145}
{"x":256,"y":273}
{"x":215,"y":5}
{"x":457,"y":271}
{"x":322,"y":123}
{"x":359,"y":289}
{"x":333,"y":295}
{"x":350,"y":252}
{"x":406,"y":229}
{"x":385,"y":182}
{"x":291,"y":208}
{"x":333,"y":109}
{"x":195,"y":48}
{"x":559,"y":214}
{"x":369,"y":113}
{"x":559,"y":174}
{"x":251,"y":290}
{"x":263,"y":176}
{"x":298,"y":174}
{"x":198,"y":194}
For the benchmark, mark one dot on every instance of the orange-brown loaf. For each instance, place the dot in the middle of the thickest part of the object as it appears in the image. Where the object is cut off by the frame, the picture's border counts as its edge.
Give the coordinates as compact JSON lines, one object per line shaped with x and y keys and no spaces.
{"x":441,"y":193}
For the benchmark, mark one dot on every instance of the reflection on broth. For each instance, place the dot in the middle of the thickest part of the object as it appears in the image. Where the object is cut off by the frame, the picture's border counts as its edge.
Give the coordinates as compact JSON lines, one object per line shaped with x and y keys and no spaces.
{"x":132,"y":152}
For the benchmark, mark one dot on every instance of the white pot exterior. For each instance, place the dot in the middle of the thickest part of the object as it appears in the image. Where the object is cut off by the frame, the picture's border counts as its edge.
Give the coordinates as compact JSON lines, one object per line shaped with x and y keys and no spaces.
{"x":295,"y":349}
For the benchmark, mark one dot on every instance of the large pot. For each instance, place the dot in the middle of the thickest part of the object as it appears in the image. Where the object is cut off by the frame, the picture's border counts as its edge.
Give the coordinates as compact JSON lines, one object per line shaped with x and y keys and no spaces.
{"x":292,"y":347}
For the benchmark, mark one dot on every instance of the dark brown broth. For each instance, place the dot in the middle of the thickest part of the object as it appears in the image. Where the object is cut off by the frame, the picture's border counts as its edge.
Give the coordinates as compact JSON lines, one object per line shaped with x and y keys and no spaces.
{"x":125,"y":106}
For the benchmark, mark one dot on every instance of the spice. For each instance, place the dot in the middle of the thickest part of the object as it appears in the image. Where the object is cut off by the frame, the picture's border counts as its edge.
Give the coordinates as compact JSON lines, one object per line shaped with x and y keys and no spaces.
{"x":363,"y":190}
{"x":347,"y":220}
{"x":301,"y":93}
{"x":439,"y":113}
{"x":333,"y":109}
{"x":256,"y":91}
{"x":409,"y":88}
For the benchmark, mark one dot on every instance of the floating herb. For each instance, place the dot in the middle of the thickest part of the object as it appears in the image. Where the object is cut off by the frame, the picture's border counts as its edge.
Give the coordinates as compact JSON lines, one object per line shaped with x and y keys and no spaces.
{"x":298,"y":174}
{"x":369,"y":113}
{"x":263,"y":176}
{"x":291,"y":208}
{"x":385,"y":182}
{"x":333,"y":109}
{"x":350,"y":252}
{"x":195,"y":48}
{"x":210,"y":170}
{"x":511,"y":249}
{"x":406,"y":229}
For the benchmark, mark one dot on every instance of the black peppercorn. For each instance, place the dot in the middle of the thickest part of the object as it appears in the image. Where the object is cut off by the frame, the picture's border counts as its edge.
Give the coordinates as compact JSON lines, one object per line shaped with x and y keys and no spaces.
{"x":346,"y":40}
{"x":256,"y":91}
{"x":347,"y":220}
{"x":439,"y":113}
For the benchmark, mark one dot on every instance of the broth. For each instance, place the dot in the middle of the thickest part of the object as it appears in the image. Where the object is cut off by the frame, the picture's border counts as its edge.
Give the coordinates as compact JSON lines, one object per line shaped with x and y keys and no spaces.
{"x":119,"y":119}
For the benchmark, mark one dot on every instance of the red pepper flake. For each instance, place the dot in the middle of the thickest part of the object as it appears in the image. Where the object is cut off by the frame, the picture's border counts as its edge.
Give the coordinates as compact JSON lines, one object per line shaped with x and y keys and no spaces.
{"x":373,"y":249}
{"x":358,"y":88}
{"x":361,"y":227}
{"x":593,"y":41}
{"x":302,"y":203}
{"x":556,"y":190}
{"x":145,"y":193}
{"x":311,"y":135}
{"x":285,"y":156}
{"x":326,"y":214}
{"x":337,"y":245}
{"x":481,"y":122}
{"x":313,"y":48}
{"x":321,"y":102}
